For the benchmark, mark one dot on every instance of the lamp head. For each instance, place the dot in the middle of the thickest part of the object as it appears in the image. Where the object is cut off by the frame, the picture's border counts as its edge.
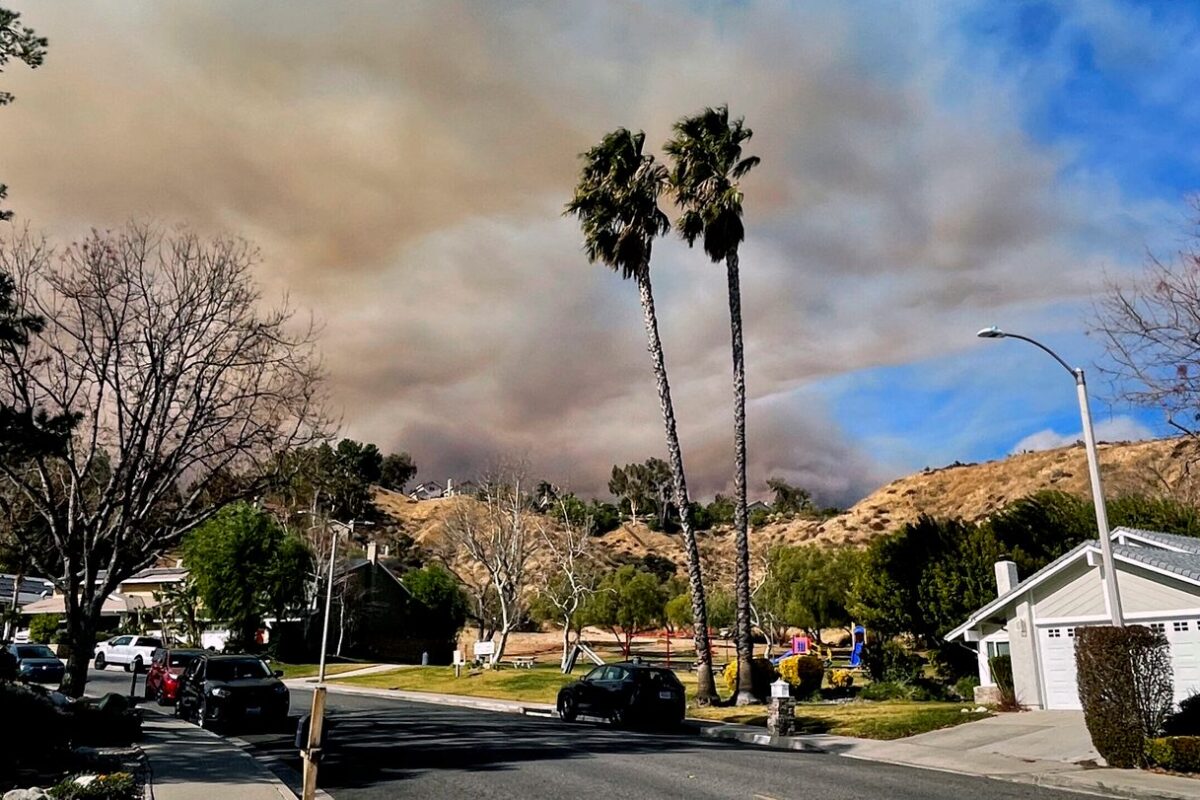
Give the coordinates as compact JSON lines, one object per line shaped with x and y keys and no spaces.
{"x":991,"y":333}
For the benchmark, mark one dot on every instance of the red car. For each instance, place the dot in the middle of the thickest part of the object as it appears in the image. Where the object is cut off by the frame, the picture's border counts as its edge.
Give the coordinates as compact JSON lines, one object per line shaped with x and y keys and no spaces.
{"x":162,"y":679}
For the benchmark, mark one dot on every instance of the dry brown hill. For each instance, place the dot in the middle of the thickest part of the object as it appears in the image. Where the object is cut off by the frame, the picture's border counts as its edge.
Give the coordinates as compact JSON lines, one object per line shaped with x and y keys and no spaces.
{"x":968,"y":491}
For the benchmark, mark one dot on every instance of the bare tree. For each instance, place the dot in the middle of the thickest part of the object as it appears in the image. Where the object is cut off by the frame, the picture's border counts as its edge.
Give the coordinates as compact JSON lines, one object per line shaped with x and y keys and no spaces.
{"x":185,"y":389}
{"x":1150,"y":328}
{"x":569,"y":574}
{"x":495,"y":536}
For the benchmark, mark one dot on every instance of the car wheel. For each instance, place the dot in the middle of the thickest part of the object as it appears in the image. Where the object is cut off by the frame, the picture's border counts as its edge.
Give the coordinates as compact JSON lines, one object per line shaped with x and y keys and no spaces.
{"x":202,"y":714}
{"x":568,"y":710}
{"x":160,"y":697}
{"x":619,"y":717}
{"x":179,"y":711}
{"x":100,"y":662}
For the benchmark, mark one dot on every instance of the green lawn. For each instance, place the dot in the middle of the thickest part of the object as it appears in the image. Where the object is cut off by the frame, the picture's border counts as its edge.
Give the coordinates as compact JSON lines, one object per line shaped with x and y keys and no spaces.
{"x":865,"y":719}
{"x":291,"y":671}
{"x":537,"y":685}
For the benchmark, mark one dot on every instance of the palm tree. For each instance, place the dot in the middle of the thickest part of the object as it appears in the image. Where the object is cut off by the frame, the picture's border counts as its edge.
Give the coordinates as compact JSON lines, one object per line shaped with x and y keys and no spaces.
{"x":707,"y":154}
{"x":616,"y":202}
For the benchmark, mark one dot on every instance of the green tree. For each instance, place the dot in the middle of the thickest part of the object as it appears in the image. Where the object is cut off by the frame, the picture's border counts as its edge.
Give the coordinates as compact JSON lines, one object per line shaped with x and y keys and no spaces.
{"x":625,"y":603}
{"x":707,"y":166}
{"x":706,"y":151}
{"x":807,"y":587}
{"x":789,"y":499}
{"x":439,"y":606}
{"x":721,"y":510}
{"x":396,"y":471}
{"x":245,"y":566}
{"x":633,"y":486}
{"x":180,"y":605}
{"x":19,"y":43}
{"x":616,"y":201}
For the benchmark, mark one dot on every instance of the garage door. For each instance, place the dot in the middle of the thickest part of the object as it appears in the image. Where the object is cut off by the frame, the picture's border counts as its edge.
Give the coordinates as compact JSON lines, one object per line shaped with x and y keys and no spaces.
{"x":1057,"y":649}
{"x":1184,"y":636}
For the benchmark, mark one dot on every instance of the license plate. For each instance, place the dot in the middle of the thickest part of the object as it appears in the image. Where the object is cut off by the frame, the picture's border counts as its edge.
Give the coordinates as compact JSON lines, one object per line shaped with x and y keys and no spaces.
{"x":666,"y":695}
{"x":253,"y":710}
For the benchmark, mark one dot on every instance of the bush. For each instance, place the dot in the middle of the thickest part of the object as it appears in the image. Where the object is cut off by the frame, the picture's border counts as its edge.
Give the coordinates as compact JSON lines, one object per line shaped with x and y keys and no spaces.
{"x":803,"y":674}
{"x":1185,"y":721}
{"x":1002,"y":675}
{"x":891,"y":661}
{"x":40,"y":735}
{"x":1176,"y":753}
{"x":841,"y":678}
{"x":109,"y":722}
{"x":1125,"y":687}
{"x":114,"y":786}
{"x":886,"y":690}
{"x":964,"y":688}
{"x":762,"y":674}
{"x":42,"y":628}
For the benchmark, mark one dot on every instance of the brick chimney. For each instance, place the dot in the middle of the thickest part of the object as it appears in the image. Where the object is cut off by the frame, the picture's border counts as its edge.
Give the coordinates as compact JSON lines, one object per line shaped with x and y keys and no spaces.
{"x":1006,"y":576}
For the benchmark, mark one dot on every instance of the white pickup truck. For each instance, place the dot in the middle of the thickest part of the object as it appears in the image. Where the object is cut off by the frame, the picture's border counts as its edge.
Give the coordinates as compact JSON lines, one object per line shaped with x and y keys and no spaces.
{"x":127,"y":651}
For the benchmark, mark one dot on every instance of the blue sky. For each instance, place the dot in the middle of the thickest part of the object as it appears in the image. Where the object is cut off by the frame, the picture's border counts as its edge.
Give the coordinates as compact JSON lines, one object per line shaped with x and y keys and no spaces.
{"x":1113,"y":87}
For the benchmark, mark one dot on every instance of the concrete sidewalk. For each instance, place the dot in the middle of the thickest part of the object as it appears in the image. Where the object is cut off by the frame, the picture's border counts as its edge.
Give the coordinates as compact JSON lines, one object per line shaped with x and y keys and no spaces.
{"x":937,"y":754}
{"x":190,"y":763}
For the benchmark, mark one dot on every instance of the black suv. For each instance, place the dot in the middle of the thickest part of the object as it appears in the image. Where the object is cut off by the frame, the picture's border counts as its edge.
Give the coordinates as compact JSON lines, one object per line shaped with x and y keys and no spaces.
{"x":222,"y":690}
{"x":627,"y":693}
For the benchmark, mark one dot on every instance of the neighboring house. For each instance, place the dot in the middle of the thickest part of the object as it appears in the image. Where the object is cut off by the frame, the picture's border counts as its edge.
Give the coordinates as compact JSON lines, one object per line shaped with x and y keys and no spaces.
{"x":430,"y":490}
{"x":152,"y":580}
{"x":467,"y":488}
{"x":1035,"y":620}
{"x":31,"y":589}
{"x":757,"y":505}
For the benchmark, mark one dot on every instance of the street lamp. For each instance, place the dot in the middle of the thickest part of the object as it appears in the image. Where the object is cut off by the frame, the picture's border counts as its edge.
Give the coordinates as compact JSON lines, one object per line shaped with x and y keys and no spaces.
{"x":1089,"y":440}
{"x":316,"y":719}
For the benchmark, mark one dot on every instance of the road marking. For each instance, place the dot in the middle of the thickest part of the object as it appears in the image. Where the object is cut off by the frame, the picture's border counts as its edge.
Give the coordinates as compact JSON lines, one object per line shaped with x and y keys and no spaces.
{"x":764,"y":797}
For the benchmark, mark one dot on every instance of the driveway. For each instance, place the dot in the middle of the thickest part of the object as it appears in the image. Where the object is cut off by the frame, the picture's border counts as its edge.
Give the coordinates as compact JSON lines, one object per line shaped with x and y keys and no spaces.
{"x":1029,"y":735}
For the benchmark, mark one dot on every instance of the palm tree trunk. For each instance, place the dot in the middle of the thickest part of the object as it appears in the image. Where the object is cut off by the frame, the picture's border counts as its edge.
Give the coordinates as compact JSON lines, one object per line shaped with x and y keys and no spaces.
{"x":745,"y":642}
{"x":706,"y":688}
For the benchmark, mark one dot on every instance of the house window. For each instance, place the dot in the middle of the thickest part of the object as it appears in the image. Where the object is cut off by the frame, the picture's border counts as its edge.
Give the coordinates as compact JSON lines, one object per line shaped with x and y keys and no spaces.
{"x":997,"y":649}
{"x":1054,"y":633}
{"x":1071,"y":633}
{"x":1179,"y":625}
{"x":1158,"y":627}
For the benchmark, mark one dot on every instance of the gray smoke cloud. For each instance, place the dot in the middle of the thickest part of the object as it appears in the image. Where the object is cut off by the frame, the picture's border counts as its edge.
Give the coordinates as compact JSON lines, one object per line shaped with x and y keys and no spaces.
{"x":404,"y":166}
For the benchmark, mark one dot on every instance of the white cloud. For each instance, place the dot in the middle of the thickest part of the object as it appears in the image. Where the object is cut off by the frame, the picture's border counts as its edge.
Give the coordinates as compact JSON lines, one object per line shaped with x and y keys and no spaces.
{"x":1117,"y":429}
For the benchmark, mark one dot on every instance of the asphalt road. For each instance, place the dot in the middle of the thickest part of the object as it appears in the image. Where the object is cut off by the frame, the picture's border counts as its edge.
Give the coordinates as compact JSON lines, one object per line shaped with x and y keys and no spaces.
{"x":381,"y":748}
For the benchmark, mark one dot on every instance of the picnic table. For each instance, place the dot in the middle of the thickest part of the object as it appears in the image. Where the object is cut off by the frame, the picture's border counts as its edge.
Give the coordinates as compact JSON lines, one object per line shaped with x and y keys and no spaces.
{"x":523,"y":662}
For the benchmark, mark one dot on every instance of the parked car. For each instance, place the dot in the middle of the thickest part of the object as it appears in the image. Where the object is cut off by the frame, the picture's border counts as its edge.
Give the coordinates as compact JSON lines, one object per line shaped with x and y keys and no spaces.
{"x":36,"y":663}
{"x":131,"y":652}
{"x":166,"y":666}
{"x":626,"y":693}
{"x":21,"y":636}
{"x":224,"y":690}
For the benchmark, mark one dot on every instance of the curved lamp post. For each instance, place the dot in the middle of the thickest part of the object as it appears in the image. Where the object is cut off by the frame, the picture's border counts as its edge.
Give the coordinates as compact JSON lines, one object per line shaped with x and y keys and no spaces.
{"x":1089,"y":439}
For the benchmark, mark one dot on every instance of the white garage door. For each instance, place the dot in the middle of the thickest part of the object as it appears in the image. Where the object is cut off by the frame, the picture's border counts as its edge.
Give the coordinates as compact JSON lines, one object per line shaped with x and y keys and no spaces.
{"x":1184,"y":636}
{"x":1057,"y":649}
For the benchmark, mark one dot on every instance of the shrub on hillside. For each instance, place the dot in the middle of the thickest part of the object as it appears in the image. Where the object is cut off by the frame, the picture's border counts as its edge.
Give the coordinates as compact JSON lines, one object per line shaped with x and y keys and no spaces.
{"x":886,"y":690}
{"x":1125,"y":687}
{"x":1176,"y":753}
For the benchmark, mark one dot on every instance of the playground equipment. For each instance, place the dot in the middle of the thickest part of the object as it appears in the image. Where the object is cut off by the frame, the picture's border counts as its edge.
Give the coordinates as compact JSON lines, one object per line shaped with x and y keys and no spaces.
{"x":588,"y":653}
{"x":803,"y":646}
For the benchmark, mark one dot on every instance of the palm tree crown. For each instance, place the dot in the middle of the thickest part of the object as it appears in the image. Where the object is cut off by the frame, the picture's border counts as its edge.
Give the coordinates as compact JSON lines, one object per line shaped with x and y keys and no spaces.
{"x":616,"y":202}
{"x":708,"y":163}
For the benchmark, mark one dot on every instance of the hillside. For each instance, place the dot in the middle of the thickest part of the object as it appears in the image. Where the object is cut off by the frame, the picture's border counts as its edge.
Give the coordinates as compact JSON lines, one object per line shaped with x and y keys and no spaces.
{"x":969,"y":491}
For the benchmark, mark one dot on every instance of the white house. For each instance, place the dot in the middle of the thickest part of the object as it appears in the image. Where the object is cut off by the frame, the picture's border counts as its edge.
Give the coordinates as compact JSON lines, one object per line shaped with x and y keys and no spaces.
{"x":1035,"y":620}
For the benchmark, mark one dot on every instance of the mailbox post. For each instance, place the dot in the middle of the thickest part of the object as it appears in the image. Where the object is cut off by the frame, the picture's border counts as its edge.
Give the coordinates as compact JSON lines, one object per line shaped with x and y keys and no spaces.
{"x":781,"y":714}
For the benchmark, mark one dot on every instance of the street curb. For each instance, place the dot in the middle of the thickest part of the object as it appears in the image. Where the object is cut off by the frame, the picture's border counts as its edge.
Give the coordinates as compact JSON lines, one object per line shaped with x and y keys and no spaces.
{"x":723,"y":732}
{"x":459,"y":701}
{"x":1071,"y":782}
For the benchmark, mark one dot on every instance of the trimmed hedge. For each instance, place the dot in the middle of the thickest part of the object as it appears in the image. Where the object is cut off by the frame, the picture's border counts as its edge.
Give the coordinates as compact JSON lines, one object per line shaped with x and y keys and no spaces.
{"x":762,"y":674}
{"x":1176,"y":753}
{"x":803,"y":674}
{"x":1126,"y":688}
{"x":1185,"y":721}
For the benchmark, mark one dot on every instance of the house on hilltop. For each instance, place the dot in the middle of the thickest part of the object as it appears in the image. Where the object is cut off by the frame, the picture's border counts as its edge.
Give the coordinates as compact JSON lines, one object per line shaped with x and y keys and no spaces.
{"x":1034,"y":620}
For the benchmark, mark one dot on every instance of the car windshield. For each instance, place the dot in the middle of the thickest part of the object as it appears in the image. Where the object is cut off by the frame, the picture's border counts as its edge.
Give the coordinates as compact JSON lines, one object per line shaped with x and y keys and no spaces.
{"x":235,"y":669}
{"x":34,"y":651}
{"x":182,"y":659}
